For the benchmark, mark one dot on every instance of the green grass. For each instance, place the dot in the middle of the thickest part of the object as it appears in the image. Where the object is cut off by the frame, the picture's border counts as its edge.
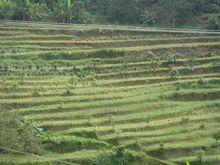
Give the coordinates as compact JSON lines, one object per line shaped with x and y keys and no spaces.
{"x":113,"y":86}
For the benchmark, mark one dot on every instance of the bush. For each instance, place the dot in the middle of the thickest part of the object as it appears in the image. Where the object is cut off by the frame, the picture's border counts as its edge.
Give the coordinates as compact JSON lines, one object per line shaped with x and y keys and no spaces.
{"x":8,"y":129}
{"x":185,"y":120}
{"x":65,"y":143}
{"x":35,"y":93}
{"x":119,"y":156}
{"x":214,"y":23}
{"x":174,"y":73}
{"x":29,"y":135}
{"x":200,"y":154}
{"x":216,"y":136}
{"x":154,"y":64}
{"x":147,"y":17}
{"x":67,"y":92}
{"x":134,"y":146}
{"x":178,"y":86}
{"x":17,"y":134}
{"x":171,"y":60}
{"x":161,"y":150}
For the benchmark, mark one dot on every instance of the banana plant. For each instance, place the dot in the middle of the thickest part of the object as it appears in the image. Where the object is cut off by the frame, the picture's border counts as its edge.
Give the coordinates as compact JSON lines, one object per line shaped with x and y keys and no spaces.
{"x":30,"y":10}
{"x":64,"y":10}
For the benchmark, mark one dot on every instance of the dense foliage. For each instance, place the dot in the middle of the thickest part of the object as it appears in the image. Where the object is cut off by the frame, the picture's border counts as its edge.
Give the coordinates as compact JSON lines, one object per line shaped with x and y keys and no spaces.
{"x":174,"y":13}
{"x":16,"y":133}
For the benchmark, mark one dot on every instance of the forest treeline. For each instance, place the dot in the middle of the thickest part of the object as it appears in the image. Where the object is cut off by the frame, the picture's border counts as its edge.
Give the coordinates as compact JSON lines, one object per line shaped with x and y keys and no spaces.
{"x":170,"y":13}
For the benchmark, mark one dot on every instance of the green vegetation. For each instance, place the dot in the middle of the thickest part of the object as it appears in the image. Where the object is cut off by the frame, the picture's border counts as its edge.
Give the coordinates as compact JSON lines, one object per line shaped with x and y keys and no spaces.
{"x":17,"y":133}
{"x":169,"y":13}
{"x":108,"y":95}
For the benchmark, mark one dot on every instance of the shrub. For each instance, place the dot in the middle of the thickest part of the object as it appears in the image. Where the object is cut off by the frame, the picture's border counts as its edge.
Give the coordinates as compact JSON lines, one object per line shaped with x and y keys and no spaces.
{"x":147,"y":17}
{"x":16,"y":133}
{"x":178,"y":86}
{"x":174,"y":73}
{"x":187,"y":163}
{"x":134,"y":146}
{"x":30,"y":67}
{"x":202,"y":126}
{"x":67,"y":93}
{"x":214,"y":23}
{"x":119,"y":156}
{"x":55,"y":67}
{"x":147,"y":121}
{"x":216,"y":136}
{"x":201,"y":82}
{"x":29,"y":135}
{"x":154,"y":64}
{"x":38,"y":67}
{"x":171,"y":61}
{"x":65,"y":143}
{"x":200,"y":154}
{"x":161,"y":150}
{"x":191,"y":60}
{"x":8,"y":129}
{"x":185,"y":120}
{"x":35,"y":93}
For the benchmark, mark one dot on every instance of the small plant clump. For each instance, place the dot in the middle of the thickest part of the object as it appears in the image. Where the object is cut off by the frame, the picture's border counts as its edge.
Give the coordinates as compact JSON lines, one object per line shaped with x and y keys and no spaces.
{"x":154,"y":63}
{"x":67,"y":93}
{"x":191,"y":61}
{"x":216,"y":136}
{"x":200,"y":154}
{"x":35,"y":93}
{"x":178,"y":86}
{"x":161,"y":151}
{"x":171,"y":61}
{"x":119,"y":156}
{"x":174,"y":73}
{"x":202,"y":126}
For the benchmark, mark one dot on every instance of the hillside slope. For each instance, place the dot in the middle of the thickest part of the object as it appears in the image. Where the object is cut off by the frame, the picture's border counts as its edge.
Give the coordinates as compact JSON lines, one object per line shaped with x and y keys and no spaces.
{"x":94,"y":88}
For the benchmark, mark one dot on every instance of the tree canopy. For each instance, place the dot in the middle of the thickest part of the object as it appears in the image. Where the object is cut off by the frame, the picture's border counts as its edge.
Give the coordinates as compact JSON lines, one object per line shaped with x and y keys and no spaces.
{"x":146,"y":12}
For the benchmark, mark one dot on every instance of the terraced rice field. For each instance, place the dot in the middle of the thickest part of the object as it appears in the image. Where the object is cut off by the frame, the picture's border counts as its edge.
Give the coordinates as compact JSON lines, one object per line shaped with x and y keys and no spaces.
{"x":155,"y":91}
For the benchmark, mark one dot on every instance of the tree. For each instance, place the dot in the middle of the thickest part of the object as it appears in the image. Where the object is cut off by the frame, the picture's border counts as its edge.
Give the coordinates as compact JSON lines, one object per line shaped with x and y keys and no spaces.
{"x":122,"y":11}
{"x":5,"y":9}
{"x":16,"y":133}
{"x":31,"y":11}
{"x":147,"y":12}
{"x":64,"y":10}
{"x":214,"y":23}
